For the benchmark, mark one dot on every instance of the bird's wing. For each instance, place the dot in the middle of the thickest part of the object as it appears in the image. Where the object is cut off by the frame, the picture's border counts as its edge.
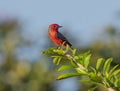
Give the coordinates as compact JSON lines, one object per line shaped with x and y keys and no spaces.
{"x":60,"y":36}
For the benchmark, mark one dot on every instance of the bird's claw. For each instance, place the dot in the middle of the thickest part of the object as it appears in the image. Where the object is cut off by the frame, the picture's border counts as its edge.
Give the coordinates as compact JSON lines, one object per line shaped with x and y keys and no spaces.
{"x":58,"y":47}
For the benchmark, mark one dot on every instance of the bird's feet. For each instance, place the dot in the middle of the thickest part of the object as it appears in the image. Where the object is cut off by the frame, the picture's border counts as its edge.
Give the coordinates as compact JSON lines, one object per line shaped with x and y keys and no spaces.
{"x":58,"y":47}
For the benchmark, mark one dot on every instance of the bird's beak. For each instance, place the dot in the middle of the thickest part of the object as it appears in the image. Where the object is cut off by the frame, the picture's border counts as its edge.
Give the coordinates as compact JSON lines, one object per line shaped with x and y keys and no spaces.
{"x":60,"y":26}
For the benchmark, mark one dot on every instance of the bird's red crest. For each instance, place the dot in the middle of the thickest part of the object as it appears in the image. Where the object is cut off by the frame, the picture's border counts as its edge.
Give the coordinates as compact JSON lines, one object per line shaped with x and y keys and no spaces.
{"x":54,"y":24}
{"x":54,"y":27}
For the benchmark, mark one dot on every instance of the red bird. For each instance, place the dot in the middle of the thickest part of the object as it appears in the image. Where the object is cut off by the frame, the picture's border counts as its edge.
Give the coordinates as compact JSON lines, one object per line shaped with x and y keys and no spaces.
{"x":56,"y":36}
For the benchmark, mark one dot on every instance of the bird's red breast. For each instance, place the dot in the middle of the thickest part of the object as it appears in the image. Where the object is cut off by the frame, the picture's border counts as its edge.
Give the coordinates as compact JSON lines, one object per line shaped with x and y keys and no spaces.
{"x":54,"y":38}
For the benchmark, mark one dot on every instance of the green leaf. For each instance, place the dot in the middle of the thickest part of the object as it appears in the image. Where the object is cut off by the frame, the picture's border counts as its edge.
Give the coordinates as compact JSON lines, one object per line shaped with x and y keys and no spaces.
{"x":113,"y":78}
{"x":95,"y":77}
{"x":88,"y":81}
{"x":116,"y":72}
{"x":81,"y":71}
{"x":118,"y":82}
{"x":81,"y":59}
{"x":92,"y":89}
{"x":87,"y":60}
{"x":57,"y":60}
{"x":74,"y":52}
{"x":93,"y":70}
{"x":76,"y":57}
{"x":67,"y":48}
{"x":73,"y":63}
{"x":112,"y":70}
{"x":64,"y":76}
{"x":106,"y":81}
{"x":65,"y":67}
{"x":84,"y":58}
{"x":99,"y":63}
{"x":58,"y":51}
{"x":49,"y":51}
{"x":107,"y":65}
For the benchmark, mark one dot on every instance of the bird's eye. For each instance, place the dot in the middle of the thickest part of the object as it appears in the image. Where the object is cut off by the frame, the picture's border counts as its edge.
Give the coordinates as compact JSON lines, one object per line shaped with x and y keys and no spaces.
{"x":55,"y":26}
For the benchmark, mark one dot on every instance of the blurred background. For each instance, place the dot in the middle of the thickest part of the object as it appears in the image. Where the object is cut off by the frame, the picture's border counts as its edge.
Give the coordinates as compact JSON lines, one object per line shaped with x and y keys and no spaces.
{"x":88,"y":24}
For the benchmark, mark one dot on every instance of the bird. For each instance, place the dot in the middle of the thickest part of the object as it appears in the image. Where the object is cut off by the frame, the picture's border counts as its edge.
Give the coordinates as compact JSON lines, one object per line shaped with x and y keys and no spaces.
{"x":57,"y":37}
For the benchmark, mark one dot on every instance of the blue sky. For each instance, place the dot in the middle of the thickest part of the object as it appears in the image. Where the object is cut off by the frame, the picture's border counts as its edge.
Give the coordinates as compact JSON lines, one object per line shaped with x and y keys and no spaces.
{"x":83,"y":18}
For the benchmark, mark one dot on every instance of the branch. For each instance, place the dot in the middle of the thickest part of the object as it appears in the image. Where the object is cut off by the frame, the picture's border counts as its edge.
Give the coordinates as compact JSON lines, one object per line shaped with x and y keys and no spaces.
{"x":72,"y":58}
{"x":111,"y":89}
{"x":102,"y":73}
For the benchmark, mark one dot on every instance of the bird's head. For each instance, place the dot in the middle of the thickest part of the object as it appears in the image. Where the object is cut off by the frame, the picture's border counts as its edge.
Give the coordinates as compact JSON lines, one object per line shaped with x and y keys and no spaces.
{"x":54,"y":27}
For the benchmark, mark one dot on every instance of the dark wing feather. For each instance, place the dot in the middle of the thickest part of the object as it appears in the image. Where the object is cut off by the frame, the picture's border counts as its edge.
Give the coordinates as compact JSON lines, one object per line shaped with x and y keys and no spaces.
{"x":60,"y":36}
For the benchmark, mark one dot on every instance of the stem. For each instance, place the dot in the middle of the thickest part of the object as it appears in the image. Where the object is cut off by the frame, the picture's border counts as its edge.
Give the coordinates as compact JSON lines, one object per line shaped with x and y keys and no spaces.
{"x":71,"y":57}
{"x":111,"y":89}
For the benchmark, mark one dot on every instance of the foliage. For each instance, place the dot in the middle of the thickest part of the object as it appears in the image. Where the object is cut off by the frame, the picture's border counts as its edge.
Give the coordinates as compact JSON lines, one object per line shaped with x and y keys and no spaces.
{"x":101,"y":74}
{"x":20,"y":74}
{"x":36,"y":75}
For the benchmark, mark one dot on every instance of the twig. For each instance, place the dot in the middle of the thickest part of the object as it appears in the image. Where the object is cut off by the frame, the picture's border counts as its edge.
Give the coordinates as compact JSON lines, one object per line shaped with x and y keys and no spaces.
{"x":111,"y":89}
{"x":71,"y":57}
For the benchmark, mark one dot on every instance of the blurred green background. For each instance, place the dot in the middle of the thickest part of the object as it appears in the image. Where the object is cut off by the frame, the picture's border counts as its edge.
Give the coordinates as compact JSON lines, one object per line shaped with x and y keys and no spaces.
{"x":24,"y":68}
